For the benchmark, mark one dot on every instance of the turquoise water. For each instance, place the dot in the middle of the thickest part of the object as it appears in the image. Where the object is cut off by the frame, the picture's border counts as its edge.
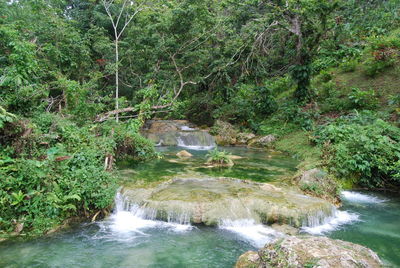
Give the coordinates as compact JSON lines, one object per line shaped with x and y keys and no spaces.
{"x":97,"y":245}
{"x":255,"y":165}
{"x":378,"y":227}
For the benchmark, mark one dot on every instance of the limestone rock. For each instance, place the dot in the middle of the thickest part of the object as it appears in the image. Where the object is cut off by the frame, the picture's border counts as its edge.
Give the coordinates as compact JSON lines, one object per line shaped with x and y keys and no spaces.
{"x":244,"y":138}
{"x":309,"y":251}
{"x":261,"y":142}
{"x":225,"y":133}
{"x":208,"y":200}
{"x":184,"y":154}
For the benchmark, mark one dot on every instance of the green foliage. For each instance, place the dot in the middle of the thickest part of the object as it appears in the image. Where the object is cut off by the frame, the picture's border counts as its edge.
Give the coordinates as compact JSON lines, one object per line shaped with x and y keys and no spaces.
{"x":362,"y":146}
{"x":382,"y":53}
{"x":56,"y":171}
{"x":5,"y":117}
{"x":348,"y":66}
{"x":360,"y":99}
{"x":220,"y":158}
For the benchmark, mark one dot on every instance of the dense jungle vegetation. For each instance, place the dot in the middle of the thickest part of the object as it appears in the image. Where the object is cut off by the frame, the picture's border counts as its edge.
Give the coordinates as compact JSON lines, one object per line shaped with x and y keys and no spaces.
{"x":322,"y":76}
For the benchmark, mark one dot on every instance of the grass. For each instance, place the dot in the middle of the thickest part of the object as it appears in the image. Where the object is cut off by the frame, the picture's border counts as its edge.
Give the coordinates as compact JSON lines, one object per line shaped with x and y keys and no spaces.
{"x":298,"y":145}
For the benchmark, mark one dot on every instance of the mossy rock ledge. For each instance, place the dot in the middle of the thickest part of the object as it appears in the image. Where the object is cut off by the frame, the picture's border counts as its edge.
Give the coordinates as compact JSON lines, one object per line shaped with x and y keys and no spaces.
{"x":206,"y":200}
{"x":310,"y":251}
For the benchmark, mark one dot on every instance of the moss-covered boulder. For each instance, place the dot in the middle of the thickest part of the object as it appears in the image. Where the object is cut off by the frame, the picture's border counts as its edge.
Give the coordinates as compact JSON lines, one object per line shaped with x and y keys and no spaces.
{"x":309,"y":251}
{"x":318,"y":183}
{"x":224,"y":132}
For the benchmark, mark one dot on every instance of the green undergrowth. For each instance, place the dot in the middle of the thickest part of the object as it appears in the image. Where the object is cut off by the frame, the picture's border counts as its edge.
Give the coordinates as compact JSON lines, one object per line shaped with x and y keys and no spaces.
{"x":53,"y":169}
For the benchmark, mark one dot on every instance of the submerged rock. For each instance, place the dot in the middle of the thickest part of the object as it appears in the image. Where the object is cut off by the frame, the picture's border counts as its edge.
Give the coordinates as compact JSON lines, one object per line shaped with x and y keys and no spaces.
{"x":207,"y":200}
{"x":184,"y":154}
{"x":309,"y":251}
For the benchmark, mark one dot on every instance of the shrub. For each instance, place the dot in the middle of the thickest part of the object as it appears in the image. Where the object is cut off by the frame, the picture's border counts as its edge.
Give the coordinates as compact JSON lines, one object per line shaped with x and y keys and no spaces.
{"x":55,"y":169}
{"x":364,"y":147}
{"x":363,"y":99}
{"x":219,"y":158}
{"x":348,"y":66}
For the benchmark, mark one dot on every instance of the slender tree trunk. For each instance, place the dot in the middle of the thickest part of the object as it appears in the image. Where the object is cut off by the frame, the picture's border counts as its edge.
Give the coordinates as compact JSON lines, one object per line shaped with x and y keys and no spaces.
{"x":116,"y":77}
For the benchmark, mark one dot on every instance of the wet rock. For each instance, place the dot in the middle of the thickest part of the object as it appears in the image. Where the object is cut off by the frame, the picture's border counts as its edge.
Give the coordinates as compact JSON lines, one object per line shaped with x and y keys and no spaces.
{"x":184,"y":154}
{"x":285,"y":229}
{"x":261,"y":142}
{"x":309,"y":251}
{"x":208,"y":200}
{"x":318,"y":183}
{"x":249,"y":259}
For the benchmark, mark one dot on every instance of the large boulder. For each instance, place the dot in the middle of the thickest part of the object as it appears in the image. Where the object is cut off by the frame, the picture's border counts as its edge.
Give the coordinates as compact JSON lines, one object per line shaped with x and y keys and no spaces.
{"x":309,"y":251}
{"x":207,"y":200}
{"x":224,"y":132}
{"x":244,"y":138}
{"x":262,"y":142}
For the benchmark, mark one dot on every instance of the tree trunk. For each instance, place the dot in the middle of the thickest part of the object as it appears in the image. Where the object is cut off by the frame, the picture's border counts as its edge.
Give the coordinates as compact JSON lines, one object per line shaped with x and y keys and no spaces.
{"x":116,"y":76}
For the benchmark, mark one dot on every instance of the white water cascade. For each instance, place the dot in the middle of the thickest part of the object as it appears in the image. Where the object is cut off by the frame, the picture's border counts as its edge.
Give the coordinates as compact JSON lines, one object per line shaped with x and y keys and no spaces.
{"x":128,"y":217}
{"x":256,"y":234}
{"x":360,"y":198}
{"x":195,"y":140}
{"x":329,"y":224}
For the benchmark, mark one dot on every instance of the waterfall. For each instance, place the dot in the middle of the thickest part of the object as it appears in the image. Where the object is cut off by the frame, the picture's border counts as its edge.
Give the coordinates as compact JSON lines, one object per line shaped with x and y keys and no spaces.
{"x":321,"y":222}
{"x":177,"y":133}
{"x":130,"y":217}
{"x":256,"y":234}
{"x":195,"y":140}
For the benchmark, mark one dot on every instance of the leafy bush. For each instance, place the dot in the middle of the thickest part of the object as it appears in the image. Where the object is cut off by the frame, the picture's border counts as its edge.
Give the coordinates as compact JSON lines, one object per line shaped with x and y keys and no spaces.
{"x":364,"y":147}
{"x":56,"y":169}
{"x":348,"y":66}
{"x":383,"y":53}
{"x":41,"y":194}
{"x":220,"y":158}
{"x":363,"y":99}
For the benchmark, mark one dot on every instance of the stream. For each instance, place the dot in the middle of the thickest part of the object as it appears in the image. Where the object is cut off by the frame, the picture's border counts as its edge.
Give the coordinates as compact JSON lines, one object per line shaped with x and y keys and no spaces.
{"x":128,"y":239}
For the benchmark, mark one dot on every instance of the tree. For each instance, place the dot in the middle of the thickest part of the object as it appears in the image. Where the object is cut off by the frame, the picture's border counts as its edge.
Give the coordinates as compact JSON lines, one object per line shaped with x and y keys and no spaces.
{"x":301,"y":25}
{"x":127,"y":12}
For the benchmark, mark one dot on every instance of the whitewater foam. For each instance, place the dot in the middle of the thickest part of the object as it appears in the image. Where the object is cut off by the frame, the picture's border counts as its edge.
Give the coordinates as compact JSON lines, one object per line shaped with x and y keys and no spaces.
{"x":332,"y":223}
{"x":360,"y":198}
{"x":186,"y":128}
{"x":256,"y":234}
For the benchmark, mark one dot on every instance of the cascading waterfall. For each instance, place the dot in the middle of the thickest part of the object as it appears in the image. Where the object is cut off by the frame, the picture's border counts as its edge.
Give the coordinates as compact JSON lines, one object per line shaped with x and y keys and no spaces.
{"x":195,"y":140}
{"x":257,"y":234}
{"x":130,"y":217}
{"x":320,"y":225}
